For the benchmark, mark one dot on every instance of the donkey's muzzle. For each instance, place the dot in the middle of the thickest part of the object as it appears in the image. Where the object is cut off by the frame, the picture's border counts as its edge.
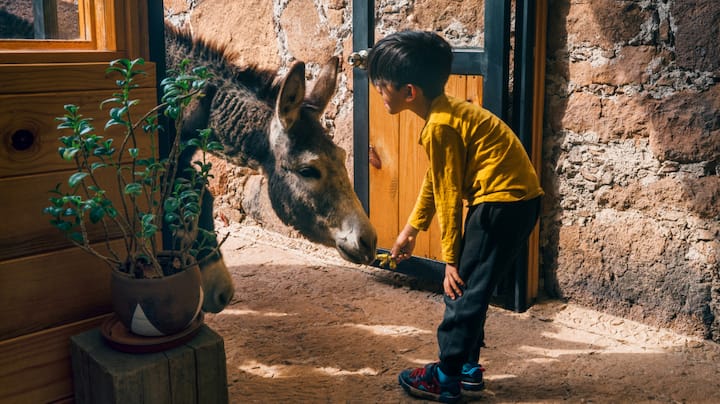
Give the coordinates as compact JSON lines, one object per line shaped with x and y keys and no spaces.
{"x":217,"y":286}
{"x":357,"y":244}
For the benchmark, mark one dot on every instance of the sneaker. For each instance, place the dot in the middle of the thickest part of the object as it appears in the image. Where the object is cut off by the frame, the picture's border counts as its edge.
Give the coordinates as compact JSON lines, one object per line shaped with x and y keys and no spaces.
{"x":471,"y":378}
{"x":423,"y":383}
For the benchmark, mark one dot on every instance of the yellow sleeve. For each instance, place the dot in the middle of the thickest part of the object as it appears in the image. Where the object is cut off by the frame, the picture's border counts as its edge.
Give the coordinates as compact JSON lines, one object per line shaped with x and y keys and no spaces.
{"x":446,"y":152}
{"x":424,"y":209}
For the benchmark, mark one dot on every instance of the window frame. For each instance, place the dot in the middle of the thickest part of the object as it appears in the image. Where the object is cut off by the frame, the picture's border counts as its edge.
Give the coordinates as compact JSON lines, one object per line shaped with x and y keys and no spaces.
{"x":109,"y":30}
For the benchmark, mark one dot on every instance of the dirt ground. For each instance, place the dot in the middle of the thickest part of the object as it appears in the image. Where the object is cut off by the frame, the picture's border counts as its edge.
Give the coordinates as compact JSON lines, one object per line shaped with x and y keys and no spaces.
{"x":306,"y":326}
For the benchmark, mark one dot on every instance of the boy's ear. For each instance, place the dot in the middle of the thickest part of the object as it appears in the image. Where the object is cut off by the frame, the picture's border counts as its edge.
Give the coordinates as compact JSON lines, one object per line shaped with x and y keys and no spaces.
{"x":411,"y":92}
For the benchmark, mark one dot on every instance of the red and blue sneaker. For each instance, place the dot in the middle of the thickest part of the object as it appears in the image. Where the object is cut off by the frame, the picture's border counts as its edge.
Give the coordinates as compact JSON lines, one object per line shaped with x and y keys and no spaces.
{"x":471,"y":378}
{"x":424,"y":383}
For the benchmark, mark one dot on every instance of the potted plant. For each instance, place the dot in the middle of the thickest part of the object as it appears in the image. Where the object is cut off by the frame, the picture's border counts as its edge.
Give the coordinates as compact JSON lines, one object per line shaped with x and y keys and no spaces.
{"x":122,"y":188}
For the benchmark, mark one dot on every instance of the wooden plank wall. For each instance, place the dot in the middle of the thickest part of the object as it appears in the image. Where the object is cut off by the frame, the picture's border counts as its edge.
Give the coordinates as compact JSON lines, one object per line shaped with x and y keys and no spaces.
{"x":49,"y":290}
{"x":395,"y":185}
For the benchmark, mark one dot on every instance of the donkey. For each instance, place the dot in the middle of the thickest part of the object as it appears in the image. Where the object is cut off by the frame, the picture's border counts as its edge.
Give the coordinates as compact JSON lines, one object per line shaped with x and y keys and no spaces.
{"x":271,"y":124}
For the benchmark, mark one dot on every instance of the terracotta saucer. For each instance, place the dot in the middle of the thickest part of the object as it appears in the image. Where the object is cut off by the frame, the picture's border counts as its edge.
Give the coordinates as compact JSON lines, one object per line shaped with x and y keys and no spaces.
{"x":121,"y":339}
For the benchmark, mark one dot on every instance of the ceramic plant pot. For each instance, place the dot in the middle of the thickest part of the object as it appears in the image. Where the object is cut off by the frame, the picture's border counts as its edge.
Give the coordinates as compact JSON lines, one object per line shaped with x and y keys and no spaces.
{"x":159,"y":306}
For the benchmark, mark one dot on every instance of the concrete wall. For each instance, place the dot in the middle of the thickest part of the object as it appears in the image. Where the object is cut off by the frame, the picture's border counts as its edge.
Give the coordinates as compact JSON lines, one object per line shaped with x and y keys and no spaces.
{"x":631,"y":144}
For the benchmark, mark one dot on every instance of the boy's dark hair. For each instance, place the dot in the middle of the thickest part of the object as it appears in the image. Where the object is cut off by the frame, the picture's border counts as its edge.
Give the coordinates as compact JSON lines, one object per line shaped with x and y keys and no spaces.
{"x":421,"y":58}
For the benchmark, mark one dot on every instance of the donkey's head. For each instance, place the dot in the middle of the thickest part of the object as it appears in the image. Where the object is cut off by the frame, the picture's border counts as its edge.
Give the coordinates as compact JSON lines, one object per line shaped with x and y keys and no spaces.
{"x":309,"y":185}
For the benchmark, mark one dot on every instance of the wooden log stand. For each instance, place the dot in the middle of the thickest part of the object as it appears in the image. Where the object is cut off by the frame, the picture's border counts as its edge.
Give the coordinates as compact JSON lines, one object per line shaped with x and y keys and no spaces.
{"x":194,"y":372}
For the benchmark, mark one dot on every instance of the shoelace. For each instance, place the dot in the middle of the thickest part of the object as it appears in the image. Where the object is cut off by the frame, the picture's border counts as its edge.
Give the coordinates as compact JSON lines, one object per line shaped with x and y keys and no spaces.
{"x":418,"y":372}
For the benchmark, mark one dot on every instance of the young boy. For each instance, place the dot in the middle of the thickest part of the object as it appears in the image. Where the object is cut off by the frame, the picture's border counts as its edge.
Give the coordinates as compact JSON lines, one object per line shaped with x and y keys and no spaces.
{"x":475,"y":157}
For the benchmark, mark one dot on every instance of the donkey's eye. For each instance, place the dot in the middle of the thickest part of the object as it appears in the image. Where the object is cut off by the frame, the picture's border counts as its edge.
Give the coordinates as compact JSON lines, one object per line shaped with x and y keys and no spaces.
{"x":309,"y":172}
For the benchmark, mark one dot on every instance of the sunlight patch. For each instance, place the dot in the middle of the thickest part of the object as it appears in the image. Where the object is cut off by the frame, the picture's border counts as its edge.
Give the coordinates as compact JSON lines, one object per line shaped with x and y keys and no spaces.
{"x":248,"y":312}
{"x":556,"y":353}
{"x":340,"y":372}
{"x":543,"y":360}
{"x":420,"y":361}
{"x":259,"y":369}
{"x":281,"y":371}
{"x":499,"y":377}
{"x":391,"y":330}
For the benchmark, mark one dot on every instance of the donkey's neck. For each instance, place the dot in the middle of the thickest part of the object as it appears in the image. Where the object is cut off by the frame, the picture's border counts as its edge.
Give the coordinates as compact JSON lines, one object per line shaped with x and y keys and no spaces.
{"x":242,"y":103}
{"x":241,"y":124}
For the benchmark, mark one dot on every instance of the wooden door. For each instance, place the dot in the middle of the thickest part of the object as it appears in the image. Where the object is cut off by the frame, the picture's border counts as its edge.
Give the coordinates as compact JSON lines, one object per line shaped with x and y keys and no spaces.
{"x":389,"y":164}
{"x":50,"y":290}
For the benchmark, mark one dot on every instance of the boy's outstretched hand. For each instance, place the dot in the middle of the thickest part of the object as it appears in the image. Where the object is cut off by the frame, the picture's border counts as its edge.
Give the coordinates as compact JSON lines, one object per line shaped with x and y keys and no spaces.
{"x":452,"y":284}
{"x":404,"y":244}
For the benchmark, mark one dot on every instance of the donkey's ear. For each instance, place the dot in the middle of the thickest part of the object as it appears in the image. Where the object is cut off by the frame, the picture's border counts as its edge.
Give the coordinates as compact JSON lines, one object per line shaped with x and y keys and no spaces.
{"x":324,"y":86}
{"x":290,"y":98}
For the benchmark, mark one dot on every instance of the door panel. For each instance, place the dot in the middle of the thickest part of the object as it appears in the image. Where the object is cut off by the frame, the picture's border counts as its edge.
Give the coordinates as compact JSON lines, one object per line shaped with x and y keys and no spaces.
{"x":383,"y":150}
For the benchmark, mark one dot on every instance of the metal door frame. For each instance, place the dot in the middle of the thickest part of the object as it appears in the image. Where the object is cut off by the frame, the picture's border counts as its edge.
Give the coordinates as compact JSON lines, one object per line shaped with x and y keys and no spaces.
{"x":492,"y":62}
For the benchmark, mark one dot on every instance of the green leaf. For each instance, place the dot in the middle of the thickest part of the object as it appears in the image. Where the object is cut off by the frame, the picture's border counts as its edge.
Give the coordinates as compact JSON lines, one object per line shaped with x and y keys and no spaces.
{"x":77,"y":178}
{"x":215,"y":146}
{"x":116,"y":100}
{"x":94,"y":166}
{"x":53,"y":211}
{"x":189,"y":195}
{"x":71,"y":108}
{"x":171,"y":217}
{"x":148,"y":227}
{"x":133,"y":152}
{"x":133,"y":188}
{"x":192,"y":207}
{"x":149,"y":230}
{"x":62,"y":225}
{"x":172,"y":112}
{"x":96,"y":214}
{"x":113,"y":122}
{"x":171,"y":204}
{"x":147,"y":218}
{"x":68,"y":153}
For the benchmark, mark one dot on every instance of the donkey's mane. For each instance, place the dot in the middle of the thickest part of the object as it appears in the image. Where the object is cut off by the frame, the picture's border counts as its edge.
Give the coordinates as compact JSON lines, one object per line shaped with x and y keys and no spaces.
{"x":262,"y":82}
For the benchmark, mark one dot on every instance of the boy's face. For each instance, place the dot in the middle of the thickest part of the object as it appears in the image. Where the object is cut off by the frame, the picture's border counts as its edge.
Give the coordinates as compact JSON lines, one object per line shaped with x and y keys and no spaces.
{"x":396,"y":100}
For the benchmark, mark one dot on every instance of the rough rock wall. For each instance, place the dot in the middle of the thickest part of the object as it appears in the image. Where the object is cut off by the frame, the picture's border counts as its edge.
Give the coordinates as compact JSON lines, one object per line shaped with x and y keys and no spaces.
{"x":631,"y":144}
{"x":631,"y":153}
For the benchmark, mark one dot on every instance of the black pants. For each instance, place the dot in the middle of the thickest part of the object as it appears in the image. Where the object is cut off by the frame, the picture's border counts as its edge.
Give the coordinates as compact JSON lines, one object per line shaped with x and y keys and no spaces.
{"x":495,"y":234}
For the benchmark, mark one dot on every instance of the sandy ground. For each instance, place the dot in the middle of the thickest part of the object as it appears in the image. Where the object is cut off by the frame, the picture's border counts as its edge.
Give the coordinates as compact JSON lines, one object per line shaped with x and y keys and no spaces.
{"x":306,"y":326}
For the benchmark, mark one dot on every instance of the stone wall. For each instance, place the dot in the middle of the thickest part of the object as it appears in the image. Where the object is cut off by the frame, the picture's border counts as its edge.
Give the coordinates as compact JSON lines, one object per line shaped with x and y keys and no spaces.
{"x":631,"y":153}
{"x":631,"y":141}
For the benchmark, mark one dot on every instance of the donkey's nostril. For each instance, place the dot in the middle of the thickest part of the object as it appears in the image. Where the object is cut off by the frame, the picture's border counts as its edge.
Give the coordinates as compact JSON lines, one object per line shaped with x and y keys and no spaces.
{"x":223,"y":298}
{"x":368,"y":243}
